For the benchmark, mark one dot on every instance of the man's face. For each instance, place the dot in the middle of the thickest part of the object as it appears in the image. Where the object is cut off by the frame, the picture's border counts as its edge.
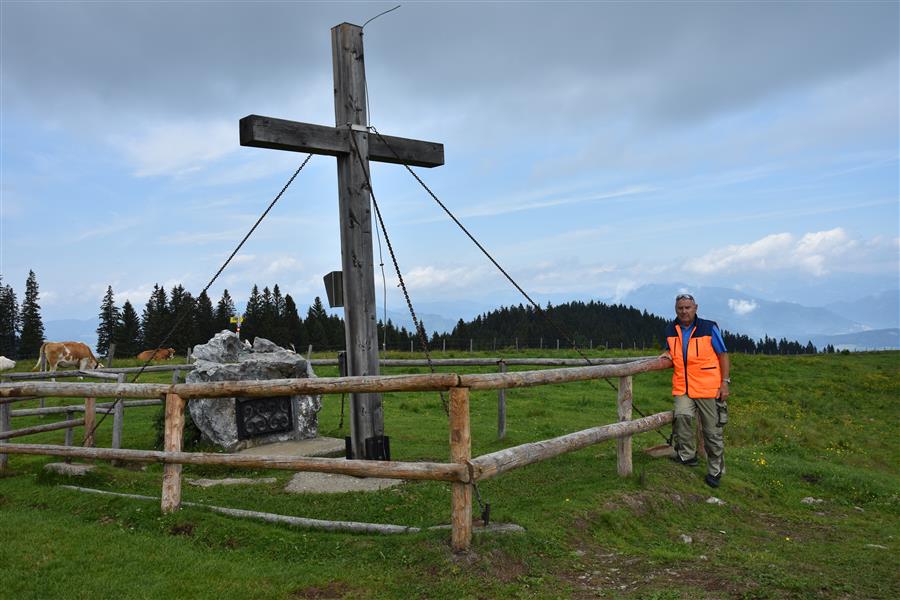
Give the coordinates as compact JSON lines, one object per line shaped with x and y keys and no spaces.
{"x":685,"y":310}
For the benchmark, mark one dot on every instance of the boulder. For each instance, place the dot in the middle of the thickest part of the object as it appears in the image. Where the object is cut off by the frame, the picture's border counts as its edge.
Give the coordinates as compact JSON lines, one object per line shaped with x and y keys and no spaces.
{"x":226,"y":358}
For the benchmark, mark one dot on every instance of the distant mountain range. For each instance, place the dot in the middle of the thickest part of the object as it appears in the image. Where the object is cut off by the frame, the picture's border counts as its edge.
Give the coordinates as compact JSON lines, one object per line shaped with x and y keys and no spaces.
{"x":871,"y":322}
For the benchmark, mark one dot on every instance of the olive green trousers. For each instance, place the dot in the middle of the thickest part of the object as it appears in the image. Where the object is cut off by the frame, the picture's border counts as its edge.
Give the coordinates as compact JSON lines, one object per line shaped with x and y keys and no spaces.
{"x":686,"y":412}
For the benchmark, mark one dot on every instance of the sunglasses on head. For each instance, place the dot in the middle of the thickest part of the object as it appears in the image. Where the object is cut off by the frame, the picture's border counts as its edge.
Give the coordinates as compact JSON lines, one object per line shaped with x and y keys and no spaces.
{"x":684,"y":297}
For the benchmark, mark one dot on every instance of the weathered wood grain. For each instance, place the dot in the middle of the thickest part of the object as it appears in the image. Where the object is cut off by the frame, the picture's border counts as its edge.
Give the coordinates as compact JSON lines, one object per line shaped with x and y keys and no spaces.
{"x":424,"y":471}
{"x":460,"y":453}
{"x":171,"y":487}
{"x":496,"y":463}
{"x":623,"y":444}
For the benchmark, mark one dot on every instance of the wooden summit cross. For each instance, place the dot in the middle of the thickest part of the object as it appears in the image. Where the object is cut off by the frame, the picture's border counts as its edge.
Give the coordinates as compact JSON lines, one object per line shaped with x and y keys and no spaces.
{"x":357,"y":260}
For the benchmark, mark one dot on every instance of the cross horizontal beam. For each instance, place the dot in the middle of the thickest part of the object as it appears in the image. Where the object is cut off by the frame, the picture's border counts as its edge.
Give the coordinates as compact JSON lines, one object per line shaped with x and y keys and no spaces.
{"x":280,"y":134}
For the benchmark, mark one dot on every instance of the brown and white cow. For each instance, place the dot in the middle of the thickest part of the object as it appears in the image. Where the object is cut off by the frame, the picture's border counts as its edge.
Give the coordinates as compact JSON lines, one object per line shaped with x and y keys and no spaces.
{"x":161,"y":354}
{"x":66,"y":354}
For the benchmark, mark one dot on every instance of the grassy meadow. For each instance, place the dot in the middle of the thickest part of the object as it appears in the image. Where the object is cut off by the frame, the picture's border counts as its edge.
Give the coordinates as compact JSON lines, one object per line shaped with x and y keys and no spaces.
{"x":823,"y":427}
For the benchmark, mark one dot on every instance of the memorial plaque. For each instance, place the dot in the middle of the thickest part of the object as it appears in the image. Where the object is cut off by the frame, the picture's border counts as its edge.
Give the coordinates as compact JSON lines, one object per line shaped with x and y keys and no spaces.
{"x":263,"y":416}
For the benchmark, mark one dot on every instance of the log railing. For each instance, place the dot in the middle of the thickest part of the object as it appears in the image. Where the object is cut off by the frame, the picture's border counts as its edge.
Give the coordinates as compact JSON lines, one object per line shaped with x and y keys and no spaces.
{"x":462,"y":470}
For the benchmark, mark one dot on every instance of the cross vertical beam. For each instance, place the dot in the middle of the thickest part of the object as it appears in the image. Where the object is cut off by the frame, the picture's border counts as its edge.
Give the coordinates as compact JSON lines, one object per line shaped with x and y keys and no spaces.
{"x":357,"y":257}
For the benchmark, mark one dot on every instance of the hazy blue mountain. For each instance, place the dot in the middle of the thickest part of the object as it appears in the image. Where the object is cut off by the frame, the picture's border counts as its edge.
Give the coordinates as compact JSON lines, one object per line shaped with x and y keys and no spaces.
{"x":873,"y":339}
{"x":739,"y":312}
{"x":878,"y":311}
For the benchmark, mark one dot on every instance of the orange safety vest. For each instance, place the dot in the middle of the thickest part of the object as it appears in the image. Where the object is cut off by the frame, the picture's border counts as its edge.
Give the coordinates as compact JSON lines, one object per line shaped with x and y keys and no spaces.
{"x":701,"y":376}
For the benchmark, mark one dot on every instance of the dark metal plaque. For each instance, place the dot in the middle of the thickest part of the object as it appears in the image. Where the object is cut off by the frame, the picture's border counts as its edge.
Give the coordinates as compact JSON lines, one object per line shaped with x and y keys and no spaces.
{"x":262,"y":416}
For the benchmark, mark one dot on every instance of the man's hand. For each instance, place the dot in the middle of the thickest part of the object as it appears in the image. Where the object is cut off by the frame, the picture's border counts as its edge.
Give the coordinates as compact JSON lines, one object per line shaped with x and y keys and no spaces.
{"x":666,"y":355}
{"x":723,"y":391}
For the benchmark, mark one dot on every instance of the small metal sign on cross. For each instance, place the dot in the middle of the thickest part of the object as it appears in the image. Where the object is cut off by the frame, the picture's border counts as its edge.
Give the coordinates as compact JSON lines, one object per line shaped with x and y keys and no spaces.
{"x":350,"y":143}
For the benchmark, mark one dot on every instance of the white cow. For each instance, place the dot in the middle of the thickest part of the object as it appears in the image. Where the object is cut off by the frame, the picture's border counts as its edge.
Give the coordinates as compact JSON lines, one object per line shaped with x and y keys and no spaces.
{"x":6,"y":364}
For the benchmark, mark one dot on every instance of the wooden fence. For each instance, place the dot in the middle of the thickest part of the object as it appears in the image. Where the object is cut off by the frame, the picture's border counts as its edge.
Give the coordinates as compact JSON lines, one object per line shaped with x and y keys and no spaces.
{"x":462,"y":471}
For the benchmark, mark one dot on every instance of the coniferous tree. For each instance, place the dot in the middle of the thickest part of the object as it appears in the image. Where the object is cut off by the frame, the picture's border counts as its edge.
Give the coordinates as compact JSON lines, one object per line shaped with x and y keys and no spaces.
{"x":316,"y":325}
{"x":224,"y":311}
{"x":127,"y":335}
{"x":294,"y":330}
{"x":279,"y":331}
{"x":267,"y":317}
{"x":181,"y":312}
{"x":154,"y":321}
{"x":109,"y":318}
{"x":251,"y":326}
{"x":205,"y":320}
{"x":9,"y":321}
{"x":32,"y":327}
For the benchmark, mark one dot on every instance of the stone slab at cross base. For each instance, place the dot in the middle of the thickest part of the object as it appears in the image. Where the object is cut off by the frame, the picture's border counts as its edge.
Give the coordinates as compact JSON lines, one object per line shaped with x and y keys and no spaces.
{"x":317,"y":446}
{"x":334,"y":483}
{"x":71,"y":469}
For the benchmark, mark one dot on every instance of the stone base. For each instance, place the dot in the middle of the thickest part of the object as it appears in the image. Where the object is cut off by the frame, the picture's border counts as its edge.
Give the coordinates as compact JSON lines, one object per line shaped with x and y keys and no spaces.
{"x":205,"y":483}
{"x":71,"y":469}
{"x":332,"y":483}
{"x":317,"y":446}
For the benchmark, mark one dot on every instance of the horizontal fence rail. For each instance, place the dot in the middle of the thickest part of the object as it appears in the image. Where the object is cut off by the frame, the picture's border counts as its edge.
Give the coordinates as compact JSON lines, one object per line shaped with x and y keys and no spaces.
{"x":462,"y":471}
{"x":428,"y":382}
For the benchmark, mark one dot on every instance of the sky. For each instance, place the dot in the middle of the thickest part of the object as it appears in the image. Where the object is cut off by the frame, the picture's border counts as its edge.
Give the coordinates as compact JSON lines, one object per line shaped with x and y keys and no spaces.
{"x":591,"y":147}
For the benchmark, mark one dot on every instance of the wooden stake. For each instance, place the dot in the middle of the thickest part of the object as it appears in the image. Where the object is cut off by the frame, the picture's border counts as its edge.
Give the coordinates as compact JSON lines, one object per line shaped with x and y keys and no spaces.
{"x":460,"y":452}
{"x":171,"y":488}
{"x":501,"y":407}
{"x":623,"y":444}
{"x":119,"y":414}
{"x":90,"y":417}
{"x":4,"y":427}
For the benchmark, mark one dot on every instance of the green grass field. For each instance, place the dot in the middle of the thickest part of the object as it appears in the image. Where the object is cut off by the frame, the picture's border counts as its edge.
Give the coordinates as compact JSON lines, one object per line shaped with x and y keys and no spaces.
{"x":811,"y":426}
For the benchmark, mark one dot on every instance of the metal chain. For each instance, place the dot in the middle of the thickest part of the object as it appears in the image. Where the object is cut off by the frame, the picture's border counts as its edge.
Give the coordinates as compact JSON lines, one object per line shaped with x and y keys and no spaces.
{"x":536,"y":306}
{"x":184,"y":312}
{"x":420,"y":329}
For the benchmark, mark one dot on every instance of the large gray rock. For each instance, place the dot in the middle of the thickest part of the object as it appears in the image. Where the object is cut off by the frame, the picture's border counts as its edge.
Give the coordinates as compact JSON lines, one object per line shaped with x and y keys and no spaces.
{"x":226,"y":358}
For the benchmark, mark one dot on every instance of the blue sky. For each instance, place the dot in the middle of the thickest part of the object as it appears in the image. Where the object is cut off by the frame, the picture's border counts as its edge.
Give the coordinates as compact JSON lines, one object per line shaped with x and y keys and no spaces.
{"x":591,"y":147}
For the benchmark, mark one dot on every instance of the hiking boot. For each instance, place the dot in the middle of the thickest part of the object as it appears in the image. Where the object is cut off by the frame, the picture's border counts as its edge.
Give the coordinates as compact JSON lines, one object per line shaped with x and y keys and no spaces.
{"x":691,"y":462}
{"x":712,"y":481}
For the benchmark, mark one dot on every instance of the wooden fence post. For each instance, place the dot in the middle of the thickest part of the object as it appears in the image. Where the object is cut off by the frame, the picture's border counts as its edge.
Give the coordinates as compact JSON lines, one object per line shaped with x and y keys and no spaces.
{"x":501,"y":406}
{"x":623,"y":444}
{"x":118,"y":412}
{"x":90,"y":417}
{"x":460,"y":452}
{"x":70,"y":432}
{"x":171,"y":488}
{"x":4,"y":426}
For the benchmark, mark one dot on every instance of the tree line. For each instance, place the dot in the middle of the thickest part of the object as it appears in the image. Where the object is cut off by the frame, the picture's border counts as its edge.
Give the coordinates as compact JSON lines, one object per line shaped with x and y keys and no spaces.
{"x":188,"y":321}
{"x":587,"y":325}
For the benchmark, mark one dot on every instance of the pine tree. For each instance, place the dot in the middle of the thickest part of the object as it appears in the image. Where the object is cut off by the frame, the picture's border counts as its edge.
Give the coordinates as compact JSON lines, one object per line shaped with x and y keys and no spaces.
{"x":316,"y":324}
{"x":181,"y":311}
{"x":205,"y":320}
{"x":154,"y":321}
{"x":294,"y":330}
{"x":267,"y":318}
{"x":109,"y":318}
{"x":224,"y":311}
{"x":127,"y":335}
{"x":32,"y":327}
{"x":9,"y":321}
{"x":251,"y":326}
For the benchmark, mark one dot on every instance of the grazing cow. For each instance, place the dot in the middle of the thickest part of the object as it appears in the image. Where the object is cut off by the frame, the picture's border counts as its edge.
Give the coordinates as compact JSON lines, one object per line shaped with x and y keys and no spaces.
{"x":161,"y":354}
{"x":66,"y":354}
{"x":6,"y":364}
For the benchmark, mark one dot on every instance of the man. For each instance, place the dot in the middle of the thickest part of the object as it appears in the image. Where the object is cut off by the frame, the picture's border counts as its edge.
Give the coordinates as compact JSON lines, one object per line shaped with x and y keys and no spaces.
{"x":700,"y":381}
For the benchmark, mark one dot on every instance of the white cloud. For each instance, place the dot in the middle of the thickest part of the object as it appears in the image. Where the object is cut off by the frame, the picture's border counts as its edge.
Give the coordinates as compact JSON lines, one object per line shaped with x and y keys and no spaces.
{"x":283,"y":264}
{"x":742,"y":307}
{"x":177,"y":149}
{"x":815,"y":253}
